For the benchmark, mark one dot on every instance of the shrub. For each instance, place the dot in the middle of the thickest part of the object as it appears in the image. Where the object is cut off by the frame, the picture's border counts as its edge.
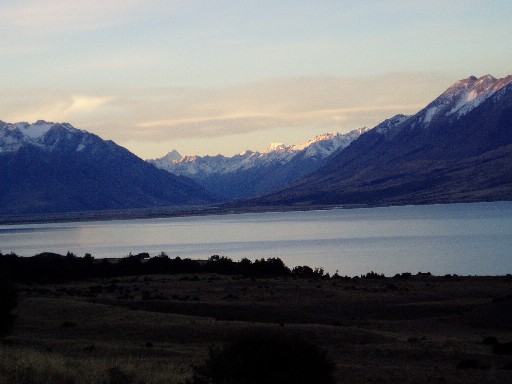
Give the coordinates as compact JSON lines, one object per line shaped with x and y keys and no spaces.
{"x":8,"y":301}
{"x":303,"y":271}
{"x":490,"y":340}
{"x":468,"y":364}
{"x":117,"y":376}
{"x":502,"y":348}
{"x":373,"y":275}
{"x":271,"y":358}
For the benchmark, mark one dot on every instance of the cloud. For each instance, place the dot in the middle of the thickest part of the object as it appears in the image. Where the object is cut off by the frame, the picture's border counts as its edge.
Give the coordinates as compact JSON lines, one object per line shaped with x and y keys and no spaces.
{"x":296,"y":108}
{"x":246,"y":122}
{"x":56,"y":107}
{"x":327,"y":103}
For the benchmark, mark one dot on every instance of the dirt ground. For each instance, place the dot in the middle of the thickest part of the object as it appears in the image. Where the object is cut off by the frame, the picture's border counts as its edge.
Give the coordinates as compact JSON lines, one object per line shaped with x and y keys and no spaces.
{"x":152,"y":329}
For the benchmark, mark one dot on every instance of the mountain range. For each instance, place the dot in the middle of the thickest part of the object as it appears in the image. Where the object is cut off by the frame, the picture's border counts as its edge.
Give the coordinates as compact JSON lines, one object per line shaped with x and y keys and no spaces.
{"x":457,"y":149}
{"x":251,"y":173}
{"x":47,"y":167}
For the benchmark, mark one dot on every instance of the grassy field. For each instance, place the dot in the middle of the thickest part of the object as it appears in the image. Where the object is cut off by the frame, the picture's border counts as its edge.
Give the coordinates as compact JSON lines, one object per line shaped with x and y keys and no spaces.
{"x":153,"y":329}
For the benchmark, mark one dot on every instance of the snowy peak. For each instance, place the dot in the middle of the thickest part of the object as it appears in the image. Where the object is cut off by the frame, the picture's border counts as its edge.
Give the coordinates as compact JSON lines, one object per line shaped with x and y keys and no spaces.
{"x":174,"y":155}
{"x":252,"y":173}
{"x":36,"y":130}
{"x":388,"y":124}
{"x":276,"y":147}
{"x":462,"y":97}
{"x":42,"y":134}
{"x":277,"y":154}
{"x":317,"y":139}
{"x":324,"y":145}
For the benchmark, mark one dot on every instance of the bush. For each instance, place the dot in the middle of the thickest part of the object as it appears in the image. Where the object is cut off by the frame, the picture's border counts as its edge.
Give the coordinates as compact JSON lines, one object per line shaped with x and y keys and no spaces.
{"x":502,"y":348}
{"x":271,"y":358}
{"x":490,"y":340}
{"x":117,"y":376}
{"x":373,"y":275}
{"x":8,"y":301}
{"x":468,"y":364}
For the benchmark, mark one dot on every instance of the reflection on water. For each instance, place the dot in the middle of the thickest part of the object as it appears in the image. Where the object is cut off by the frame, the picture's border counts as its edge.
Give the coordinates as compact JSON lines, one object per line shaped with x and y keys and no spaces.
{"x":457,"y":238}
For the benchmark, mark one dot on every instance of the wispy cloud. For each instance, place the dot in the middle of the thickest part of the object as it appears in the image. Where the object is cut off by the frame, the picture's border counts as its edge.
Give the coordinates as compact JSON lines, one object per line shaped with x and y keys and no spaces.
{"x":150,"y":120}
{"x":59,"y":108}
{"x":319,"y":102}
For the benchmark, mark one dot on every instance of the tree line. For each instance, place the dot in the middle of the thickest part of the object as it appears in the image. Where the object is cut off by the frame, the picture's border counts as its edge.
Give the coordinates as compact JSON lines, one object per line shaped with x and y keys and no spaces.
{"x":51,"y":267}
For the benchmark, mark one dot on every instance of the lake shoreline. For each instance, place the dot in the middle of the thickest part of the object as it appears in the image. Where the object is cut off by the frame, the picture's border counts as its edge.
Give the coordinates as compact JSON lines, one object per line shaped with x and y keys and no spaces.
{"x":159,"y":213}
{"x":169,"y":212}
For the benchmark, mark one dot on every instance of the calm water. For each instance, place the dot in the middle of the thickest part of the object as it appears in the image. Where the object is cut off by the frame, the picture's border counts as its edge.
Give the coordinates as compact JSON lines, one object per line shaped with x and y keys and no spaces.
{"x":458,"y":238}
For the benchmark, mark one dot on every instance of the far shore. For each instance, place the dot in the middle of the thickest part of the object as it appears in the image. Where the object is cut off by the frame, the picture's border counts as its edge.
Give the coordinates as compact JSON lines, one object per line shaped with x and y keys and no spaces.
{"x":187,"y":211}
{"x":160,"y":212}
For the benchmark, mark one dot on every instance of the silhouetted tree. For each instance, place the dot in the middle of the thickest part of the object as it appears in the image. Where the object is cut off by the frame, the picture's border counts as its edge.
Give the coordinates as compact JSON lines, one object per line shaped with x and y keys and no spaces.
{"x":271,"y":358}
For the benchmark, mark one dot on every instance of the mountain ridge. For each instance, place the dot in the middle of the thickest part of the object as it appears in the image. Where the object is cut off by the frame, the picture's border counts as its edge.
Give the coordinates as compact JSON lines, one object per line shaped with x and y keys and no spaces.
{"x":51,"y":167}
{"x":252,"y":173}
{"x":458,"y":148}
{"x":425,"y":154}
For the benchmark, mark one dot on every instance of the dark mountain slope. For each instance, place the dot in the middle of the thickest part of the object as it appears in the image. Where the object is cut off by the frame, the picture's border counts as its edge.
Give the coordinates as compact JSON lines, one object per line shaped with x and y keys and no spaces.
{"x":456,"y":149}
{"x":67,"y":169}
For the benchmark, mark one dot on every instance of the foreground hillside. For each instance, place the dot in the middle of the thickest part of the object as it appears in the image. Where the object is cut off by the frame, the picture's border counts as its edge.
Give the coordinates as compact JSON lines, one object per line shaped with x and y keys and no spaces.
{"x":153,"y":329}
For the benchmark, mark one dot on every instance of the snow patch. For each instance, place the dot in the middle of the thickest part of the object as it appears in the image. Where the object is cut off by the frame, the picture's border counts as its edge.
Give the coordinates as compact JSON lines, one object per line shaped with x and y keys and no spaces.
{"x":36,"y":130}
{"x":275,"y":147}
{"x":430,"y":113}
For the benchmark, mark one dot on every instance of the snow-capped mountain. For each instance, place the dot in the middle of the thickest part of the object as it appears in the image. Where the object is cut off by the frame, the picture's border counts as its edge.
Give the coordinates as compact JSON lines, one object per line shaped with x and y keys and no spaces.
{"x":14,"y":136}
{"x":458,"y":148}
{"x":319,"y":147}
{"x":254,"y":173}
{"x":461,"y":98}
{"x":389,"y":124}
{"x":51,"y":167}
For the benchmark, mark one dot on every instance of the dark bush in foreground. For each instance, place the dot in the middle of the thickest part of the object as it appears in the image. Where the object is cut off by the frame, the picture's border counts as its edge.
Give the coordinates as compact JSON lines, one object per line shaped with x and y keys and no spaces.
{"x":490,"y":340}
{"x":468,"y":364}
{"x":258,"y":357}
{"x":502,"y":348}
{"x":8,"y":301}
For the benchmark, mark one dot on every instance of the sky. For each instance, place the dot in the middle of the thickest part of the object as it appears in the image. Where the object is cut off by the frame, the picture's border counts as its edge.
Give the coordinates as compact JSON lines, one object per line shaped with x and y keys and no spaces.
{"x":222,"y":76}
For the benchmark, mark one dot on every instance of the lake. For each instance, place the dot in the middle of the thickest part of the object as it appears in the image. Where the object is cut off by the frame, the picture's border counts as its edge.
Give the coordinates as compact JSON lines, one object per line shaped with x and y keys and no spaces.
{"x":464,"y":239}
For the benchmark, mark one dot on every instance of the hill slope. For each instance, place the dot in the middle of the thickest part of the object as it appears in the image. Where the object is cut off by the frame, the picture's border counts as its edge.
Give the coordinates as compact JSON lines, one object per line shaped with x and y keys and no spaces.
{"x":47,"y":167}
{"x":458,"y":148}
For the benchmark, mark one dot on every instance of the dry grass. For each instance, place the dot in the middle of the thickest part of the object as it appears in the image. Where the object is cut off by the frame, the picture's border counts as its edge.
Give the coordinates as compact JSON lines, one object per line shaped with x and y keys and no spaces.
{"x":153,"y":329}
{"x":29,"y":366}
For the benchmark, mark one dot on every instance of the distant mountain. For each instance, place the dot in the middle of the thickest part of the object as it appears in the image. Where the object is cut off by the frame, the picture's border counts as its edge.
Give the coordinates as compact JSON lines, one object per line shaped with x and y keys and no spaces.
{"x":457,"y":149}
{"x":254,"y":173}
{"x":47,"y":167}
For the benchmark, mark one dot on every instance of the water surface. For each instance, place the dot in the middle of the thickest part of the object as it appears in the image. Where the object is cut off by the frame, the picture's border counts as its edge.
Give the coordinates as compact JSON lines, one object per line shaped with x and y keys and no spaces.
{"x":456,"y":238}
